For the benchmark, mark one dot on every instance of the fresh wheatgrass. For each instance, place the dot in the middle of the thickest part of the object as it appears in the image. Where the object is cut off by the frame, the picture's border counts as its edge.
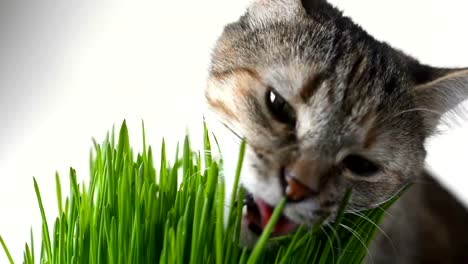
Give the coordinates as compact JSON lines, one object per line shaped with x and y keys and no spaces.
{"x":130,"y":212}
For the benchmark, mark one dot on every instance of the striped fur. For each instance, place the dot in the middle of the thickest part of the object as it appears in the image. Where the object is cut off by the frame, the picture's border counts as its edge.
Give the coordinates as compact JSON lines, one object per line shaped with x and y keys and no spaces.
{"x":351,"y":93}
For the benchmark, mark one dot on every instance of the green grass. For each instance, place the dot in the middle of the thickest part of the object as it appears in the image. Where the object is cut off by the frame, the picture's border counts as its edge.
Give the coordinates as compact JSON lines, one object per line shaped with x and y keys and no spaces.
{"x":132,"y":212}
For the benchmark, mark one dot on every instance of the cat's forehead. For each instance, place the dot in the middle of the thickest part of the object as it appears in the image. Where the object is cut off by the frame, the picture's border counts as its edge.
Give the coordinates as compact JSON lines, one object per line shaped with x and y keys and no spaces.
{"x":272,"y":45}
{"x":298,"y":59}
{"x":334,"y":49}
{"x":338,"y":78}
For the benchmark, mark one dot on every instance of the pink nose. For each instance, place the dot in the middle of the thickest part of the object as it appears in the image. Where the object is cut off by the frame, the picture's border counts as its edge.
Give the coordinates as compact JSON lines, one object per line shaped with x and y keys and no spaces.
{"x":302,"y":178}
{"x":297,"y":191}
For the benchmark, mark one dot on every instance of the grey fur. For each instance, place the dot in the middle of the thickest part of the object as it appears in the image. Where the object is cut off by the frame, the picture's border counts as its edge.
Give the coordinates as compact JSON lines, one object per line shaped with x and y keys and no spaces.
{"x":351,"y":94}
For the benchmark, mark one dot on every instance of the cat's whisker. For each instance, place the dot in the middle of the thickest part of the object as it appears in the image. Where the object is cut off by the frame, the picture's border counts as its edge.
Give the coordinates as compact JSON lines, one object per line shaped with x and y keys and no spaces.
{"x":337,"y":237}
{"x":363,"y":216}
{"x":329,"y":240}
{"x":351,"y":210}
{"x":437,"y":113}
{"x":233,"y":131}
{"x":230,"y":128}
{"x":385,"y":119}
{"x":355,"y":234}
{"x":386,"y":212}
{"x":392,"y":196}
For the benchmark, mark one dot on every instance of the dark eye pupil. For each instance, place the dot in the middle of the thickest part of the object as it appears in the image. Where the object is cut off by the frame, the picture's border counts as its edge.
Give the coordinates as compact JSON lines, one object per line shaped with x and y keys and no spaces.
{"x":279,"y":108}
{"x":360,"y":165}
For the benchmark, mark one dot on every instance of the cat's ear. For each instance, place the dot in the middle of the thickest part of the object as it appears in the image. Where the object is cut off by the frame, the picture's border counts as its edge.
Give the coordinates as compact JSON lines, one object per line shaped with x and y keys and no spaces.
{"x":439,"y":91}
{"x":264,"y":11}
{"x":312,"y":6}
{"x":267,"y":11}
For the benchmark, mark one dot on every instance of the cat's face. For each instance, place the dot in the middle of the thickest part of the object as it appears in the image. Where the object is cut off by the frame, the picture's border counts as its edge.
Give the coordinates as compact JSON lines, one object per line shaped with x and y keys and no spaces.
{"x":323,"y":108}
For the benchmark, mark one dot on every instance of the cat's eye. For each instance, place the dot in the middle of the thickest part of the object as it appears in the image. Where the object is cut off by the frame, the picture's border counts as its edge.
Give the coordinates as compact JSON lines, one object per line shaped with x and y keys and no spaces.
{"x":360,"y":165}
{"x":281,"y":110}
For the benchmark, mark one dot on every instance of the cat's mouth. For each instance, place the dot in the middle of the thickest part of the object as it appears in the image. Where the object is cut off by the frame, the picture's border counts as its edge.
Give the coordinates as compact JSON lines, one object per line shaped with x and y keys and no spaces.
{"x":259,"y":213}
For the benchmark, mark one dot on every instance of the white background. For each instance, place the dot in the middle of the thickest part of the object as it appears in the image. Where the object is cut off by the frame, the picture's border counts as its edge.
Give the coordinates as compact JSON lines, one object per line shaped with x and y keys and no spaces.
{"x":69,"y":71}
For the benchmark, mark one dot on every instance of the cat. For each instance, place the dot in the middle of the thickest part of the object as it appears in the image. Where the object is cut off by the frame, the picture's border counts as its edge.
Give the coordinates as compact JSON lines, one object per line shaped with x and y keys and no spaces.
{"x":325,"y":107}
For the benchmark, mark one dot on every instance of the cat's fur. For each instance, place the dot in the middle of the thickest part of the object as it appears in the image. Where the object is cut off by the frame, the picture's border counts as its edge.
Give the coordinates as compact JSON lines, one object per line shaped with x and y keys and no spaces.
{"x":351,"y":94}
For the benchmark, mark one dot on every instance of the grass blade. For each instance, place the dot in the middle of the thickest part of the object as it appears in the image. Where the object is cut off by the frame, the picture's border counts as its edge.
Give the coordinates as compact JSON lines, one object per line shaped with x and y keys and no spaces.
{"x":127,"y":213}
{"x":46,"y":235}
{"x":266,"y":232}
{"x":7,"y":252}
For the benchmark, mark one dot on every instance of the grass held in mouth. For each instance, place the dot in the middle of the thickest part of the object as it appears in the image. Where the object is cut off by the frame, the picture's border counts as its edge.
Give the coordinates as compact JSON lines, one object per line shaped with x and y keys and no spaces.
{"x":131,"y":211}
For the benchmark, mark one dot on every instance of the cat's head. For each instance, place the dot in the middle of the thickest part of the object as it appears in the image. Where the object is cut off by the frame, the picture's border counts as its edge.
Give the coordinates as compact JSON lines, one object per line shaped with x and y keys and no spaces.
{"x":323,"y":107}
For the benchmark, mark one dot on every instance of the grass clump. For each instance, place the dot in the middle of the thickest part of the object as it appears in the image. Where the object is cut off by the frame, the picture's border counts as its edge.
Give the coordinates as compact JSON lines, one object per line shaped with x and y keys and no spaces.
{"x":130,"y":212}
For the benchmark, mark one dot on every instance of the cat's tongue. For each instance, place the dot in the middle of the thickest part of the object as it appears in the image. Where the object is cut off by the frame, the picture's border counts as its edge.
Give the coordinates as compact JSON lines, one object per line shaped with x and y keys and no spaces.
{"x":282,"y":227}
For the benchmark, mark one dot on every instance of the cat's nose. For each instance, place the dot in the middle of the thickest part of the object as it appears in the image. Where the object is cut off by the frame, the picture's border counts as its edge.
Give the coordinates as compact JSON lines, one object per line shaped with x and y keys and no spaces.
{"x":296,"y":191}
{"x":302,"y":179}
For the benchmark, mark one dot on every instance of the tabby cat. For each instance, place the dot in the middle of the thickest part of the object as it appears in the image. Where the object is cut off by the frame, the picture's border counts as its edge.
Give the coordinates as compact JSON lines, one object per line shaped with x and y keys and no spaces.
{"x":324,"y":107}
